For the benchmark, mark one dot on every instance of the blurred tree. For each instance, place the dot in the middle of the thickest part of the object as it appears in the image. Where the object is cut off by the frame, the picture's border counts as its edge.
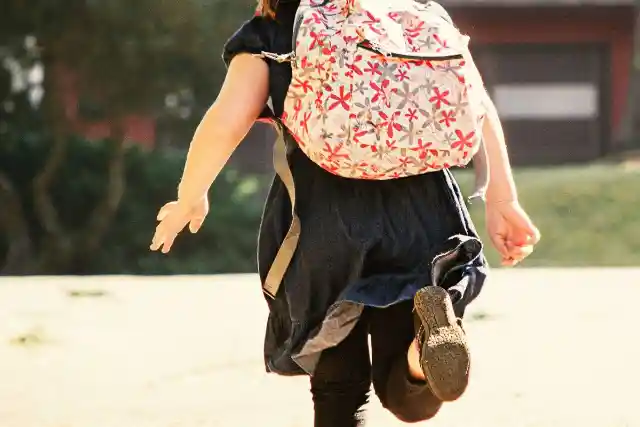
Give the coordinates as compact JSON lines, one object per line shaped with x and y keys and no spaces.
{"x":126,"y":57}
{"x":226,"y":242}
{"x":628,"y":132}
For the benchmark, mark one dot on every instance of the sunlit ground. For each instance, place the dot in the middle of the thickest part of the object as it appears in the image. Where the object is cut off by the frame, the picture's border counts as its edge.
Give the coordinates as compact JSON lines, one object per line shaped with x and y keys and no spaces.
{"x":551,"y":348}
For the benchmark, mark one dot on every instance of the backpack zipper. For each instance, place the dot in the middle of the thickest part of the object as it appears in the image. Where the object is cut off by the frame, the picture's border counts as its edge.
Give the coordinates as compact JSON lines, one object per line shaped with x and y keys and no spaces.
{"x":367,"y":46}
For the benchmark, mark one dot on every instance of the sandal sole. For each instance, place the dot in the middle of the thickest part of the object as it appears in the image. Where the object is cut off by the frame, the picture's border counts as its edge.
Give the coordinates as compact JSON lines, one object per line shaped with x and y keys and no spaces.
{"x":444,"y":355}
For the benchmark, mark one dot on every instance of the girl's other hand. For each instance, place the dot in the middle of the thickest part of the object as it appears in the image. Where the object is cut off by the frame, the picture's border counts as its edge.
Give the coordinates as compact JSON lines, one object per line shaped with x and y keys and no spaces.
{"x":511,"y":231}
{"x":173,"y":218}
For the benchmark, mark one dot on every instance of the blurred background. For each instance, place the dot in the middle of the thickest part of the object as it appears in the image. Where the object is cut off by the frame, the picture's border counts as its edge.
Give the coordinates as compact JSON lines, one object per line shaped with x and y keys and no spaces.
{"x":98,"y":102}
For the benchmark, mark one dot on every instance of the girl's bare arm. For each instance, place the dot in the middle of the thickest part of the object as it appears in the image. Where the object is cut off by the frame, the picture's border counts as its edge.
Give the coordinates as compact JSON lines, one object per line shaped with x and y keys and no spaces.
{"x":240,"y":101}
{"x":502,"y":187}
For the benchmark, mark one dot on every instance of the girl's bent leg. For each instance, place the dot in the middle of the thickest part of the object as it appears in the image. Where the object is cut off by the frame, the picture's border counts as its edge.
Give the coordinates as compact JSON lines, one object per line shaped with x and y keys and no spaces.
{"x":341,"y":381}
{"x":392,"y":332}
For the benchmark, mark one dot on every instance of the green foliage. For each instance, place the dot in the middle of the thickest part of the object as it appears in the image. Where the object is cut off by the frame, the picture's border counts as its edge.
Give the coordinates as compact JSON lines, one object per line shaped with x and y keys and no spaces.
{"x":158,"y":59}
{"x":588,"y":215}
{"x":226,"y":243}
{"x":124,"y":57}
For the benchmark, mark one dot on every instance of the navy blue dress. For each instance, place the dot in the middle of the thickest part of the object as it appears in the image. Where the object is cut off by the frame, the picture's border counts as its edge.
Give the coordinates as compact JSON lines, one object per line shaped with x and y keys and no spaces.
{"x":362,"y":243}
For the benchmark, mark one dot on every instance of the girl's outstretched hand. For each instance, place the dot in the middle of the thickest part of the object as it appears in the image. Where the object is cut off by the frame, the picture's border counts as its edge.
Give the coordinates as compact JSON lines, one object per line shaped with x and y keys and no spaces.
{"x":173,"y":218}
{"x":511,"y":231}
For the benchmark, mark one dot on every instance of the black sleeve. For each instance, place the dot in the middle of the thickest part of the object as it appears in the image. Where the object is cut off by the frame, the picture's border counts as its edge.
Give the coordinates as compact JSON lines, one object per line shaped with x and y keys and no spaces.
{"x":251,"y":37}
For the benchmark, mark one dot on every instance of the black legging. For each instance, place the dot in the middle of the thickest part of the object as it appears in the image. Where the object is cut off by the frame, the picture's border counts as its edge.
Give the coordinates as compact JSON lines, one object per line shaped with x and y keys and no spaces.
{"x":343,"y":376}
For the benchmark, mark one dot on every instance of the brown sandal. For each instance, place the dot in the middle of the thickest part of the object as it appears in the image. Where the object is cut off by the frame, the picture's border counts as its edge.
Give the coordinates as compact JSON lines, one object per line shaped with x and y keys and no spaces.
{"x":444,"y":352}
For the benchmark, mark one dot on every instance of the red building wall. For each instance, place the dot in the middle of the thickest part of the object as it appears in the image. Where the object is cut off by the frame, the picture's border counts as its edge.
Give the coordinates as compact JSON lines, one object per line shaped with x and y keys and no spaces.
{"x":138,"y":129}
{"x":610,"y":25}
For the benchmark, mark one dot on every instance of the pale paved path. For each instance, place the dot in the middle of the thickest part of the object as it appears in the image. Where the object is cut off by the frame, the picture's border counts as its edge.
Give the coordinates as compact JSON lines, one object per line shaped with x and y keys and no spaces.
{"x":554,"y":348}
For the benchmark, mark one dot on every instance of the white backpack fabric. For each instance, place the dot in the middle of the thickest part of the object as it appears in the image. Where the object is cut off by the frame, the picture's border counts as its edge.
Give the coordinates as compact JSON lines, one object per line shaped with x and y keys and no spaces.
{"x":382,"y":89}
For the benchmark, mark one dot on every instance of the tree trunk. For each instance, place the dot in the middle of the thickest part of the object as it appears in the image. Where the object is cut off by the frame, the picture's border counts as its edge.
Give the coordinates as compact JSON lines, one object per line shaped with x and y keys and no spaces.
{"x":57,"y":245}
{"x":16,"y":230}
{"x":105,"y":211}
{"x":628,"y":133}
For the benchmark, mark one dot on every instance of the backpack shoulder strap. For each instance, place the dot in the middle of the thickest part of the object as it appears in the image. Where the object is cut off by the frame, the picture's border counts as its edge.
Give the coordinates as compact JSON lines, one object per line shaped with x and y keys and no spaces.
{"x":289,"y":245}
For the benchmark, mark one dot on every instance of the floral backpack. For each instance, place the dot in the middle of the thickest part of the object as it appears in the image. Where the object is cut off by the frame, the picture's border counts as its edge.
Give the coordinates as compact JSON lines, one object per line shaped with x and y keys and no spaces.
{"x":380,"y":89}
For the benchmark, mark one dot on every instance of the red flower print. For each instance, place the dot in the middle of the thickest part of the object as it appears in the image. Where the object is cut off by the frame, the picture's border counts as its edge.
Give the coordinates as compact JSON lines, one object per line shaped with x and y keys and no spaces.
{"x":395,"y":16}
{"x":430,"y":167}
{"x":413,"y":32}
{"x":302,"y":84}
{"x":333,"y":153}
{"x":340,"y":100}
{"x":330,"y":168}
{"x":304,"y":63}
{"x":464,"y":141}
{"x":439,"y":98}
{"x":297,"y":107}
{"x":404,"y":162}
{"x":330,"y":53}
{"x":448,"y":117}
{"x":441,"y":42}
{"x":380,"y":90}
{"x":374,"y":69}
{"x":350,"y":39}
{"x":358,"y":135}
{"x":372,"y":22}
{"x":423,"y":149}
{"x":393,"y":125}
{"x":354,"y":68}
{"x":316,"y":18}
{"x":316,"y":40}
{"x":371,"y":147}
{"x":304,"y":123}
{"x":412,"y":114}
{"x":401,"y":75}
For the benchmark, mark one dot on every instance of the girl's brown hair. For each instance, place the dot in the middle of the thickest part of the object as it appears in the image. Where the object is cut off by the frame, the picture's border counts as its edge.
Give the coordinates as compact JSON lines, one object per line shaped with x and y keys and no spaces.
{"x":267,"y":8}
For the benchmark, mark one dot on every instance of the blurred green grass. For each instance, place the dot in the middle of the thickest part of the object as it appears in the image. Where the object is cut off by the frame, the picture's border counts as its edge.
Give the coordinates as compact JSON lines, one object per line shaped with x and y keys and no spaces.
{"x":588,"y":215}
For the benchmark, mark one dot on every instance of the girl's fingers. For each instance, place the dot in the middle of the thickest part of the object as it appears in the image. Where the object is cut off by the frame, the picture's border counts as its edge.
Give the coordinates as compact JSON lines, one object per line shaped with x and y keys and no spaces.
{"x":520,"y":252}
{"x":155,"y":245}
{"x":534,"y":235}
{"x":165,"y":210}
{"x":516,"y":254}
{"x":163,"y":242}
{"x":171,"y":223}
{"x":499,"y":242}
{"x":508,"y":262}
{"x":156,"y":242}
{"x":162,"y":236}
{"x":168,"y":243}
{"x":195,"y":225}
